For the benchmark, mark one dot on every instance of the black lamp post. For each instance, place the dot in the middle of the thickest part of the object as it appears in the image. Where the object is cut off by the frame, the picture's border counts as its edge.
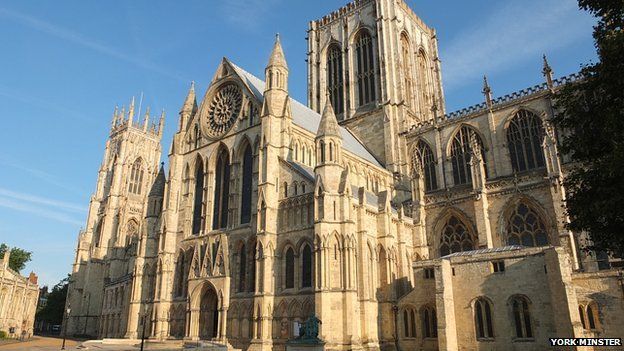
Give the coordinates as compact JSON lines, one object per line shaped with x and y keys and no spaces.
{"x":143,"y":331}
{"x":67,"y":312}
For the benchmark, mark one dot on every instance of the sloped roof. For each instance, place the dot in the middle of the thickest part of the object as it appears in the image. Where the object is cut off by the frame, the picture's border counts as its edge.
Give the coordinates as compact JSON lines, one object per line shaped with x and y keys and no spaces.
{"x":307,"y":118}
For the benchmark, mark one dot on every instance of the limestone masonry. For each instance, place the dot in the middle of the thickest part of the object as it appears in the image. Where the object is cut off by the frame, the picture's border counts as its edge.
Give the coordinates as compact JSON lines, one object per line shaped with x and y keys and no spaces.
{"x":400,"y":226}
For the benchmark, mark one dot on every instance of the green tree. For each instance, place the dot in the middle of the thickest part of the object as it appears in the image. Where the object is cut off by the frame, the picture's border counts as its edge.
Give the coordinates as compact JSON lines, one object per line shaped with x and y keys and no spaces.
{"x":18,"y":258}
{"x":591,"y":118}
{"x":54,"y":309}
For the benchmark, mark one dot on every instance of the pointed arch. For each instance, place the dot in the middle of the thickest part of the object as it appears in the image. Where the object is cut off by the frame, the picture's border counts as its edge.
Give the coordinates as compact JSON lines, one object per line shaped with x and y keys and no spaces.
{"x":199,"y":214}
{"x":365,"y":67}
{"x":524,"y":222}
{"x":520,"y":310}
{"x":289,"y":267}
{"x":306,"y":265}
{"x":525,"y":134}
{"x":406,"y":58}
{"x":424,"y":164}
{"x":461,"y":154}
{"x":246,"y":182}
{"x":221,"y":188}
{"x":455,"y":231}
{"x":335,"y":85}
{"x":425,"y":99}
{"x":482,"y":308}
{"x":135,"y":182}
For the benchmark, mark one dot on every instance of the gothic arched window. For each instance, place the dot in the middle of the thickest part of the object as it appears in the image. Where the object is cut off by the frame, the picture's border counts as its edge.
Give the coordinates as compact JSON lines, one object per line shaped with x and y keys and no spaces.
{"x":592,"y":316}
{"x":522,"y":317}
{"x":136,"y":178}
{"x":179,"y":287}
{"x":427,"y":164}
{"x":461,"y":154}
{"x":221,"y":192}
{"x":196,"y":136}
{"x":198,"y":202}
{"x":429,"y":322}
{"x":525,"y":227}
{"x":524,"y":137}
{"x":335,"y":84}
{"x":242,"y":269}
{"x":246,"y":190}
{"x":306,"y":267}
{"x":364,"y":57}
{"x":409,"y":323}
{"x":424,"y":97}
{"x":483,"y":319}
{"x":408,"y":85}
{"x":290,"y":268}
{"x":455,"y":237}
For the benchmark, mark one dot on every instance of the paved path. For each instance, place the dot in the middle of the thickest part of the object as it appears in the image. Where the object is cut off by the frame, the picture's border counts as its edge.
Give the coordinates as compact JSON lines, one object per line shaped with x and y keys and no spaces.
{"x":40,"y":343}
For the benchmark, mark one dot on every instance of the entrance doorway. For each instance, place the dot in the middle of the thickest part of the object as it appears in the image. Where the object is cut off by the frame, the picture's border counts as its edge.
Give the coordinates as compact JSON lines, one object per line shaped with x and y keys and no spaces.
{"x":208,"y":313}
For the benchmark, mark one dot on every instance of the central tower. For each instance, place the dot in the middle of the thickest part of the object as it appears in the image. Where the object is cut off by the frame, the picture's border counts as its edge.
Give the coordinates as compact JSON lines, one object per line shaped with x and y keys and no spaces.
{"x":378,"y":64}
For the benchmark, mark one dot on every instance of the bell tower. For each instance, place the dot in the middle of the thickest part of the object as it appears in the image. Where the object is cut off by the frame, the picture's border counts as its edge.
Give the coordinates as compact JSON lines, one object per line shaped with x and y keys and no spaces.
{"x":377,"y":62}
{"x":117,"y":210}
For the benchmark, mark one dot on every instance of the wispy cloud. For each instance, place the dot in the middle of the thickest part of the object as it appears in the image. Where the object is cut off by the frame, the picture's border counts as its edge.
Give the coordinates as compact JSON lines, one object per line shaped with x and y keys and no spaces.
{"x":34,"y":101}
{"x":82,"y":40}
{"x":512,"y":33}
{"x":26,"y":206}
{"x":41,"y":201}
{"x":42,"y":175}
{"x":247,"y":13}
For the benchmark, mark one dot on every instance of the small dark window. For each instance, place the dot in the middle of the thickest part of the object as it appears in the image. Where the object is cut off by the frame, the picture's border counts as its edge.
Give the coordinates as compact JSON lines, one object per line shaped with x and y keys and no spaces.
{"x":429,"y":273}
{"x":498,"y":266}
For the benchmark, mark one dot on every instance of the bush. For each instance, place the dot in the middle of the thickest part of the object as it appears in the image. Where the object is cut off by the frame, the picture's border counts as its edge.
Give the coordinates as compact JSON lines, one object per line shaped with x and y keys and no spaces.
{"x":3,"y":334}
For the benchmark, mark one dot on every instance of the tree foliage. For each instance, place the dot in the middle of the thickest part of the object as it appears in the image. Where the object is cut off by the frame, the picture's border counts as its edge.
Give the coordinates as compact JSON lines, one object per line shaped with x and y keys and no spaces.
{"x":54,"y":309}
{"x":591,"y":118}
{"x":18,"y":258}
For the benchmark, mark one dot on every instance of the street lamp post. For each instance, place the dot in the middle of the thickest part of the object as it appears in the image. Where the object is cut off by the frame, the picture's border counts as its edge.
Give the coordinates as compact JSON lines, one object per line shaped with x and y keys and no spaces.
{"x":143,"y":332}
{"x":67,"y":312}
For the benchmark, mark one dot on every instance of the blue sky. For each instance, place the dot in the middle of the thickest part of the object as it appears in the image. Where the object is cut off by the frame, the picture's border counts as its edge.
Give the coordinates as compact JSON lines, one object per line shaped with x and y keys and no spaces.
{"x":65,"y":65}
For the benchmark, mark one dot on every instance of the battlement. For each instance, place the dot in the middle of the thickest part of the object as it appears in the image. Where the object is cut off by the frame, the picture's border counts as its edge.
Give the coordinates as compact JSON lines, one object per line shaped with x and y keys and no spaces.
{"x":500,"y":101}
{"x":341,"y":12}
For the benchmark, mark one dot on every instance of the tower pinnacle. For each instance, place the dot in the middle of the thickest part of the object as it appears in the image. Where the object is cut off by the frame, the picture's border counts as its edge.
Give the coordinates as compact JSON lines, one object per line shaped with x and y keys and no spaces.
{"x":277,"y":55}
{"x":328,"y":125}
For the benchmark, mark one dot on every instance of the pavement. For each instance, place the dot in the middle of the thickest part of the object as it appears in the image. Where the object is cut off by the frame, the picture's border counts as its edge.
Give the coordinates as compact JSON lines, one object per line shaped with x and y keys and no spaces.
{"x":39,"y":343}
{"x":47,"y":343}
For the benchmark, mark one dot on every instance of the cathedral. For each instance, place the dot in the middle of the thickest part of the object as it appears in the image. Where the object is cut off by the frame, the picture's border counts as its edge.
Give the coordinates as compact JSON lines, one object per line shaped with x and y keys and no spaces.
{"x":399,"y":225}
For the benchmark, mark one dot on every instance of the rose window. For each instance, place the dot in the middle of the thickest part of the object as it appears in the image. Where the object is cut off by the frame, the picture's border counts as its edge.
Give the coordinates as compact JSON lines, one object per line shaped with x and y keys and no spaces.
{"x":223,"y":110}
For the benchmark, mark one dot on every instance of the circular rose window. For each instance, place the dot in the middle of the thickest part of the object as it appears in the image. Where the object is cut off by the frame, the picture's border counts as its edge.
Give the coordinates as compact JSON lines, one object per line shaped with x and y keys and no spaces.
{"x":223,"y":110}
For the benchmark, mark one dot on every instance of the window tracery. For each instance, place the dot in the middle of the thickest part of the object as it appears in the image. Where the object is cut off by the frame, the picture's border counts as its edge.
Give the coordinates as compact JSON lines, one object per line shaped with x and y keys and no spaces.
{"x":525,"y":227}
{"x":455,"y":237}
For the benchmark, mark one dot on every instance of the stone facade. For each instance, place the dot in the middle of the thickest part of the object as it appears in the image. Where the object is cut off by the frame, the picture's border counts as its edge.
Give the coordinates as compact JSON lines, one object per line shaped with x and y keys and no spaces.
{"x":390,"y":220}
{"x":18,"y":300}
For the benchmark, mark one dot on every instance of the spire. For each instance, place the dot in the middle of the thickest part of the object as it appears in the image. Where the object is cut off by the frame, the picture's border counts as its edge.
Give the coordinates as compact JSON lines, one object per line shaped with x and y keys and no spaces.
{"x":131,"y":112}
{"x":161,"y":122}
{"x":188,"y":108}
{"x":277,"y":55}
{"x":547,"y":72}
{"x":146,"y":119}
{"x":487,"y":91}
{"x":190,"y":102}
{"x":115,"y":115}
{"x":328,"y":125}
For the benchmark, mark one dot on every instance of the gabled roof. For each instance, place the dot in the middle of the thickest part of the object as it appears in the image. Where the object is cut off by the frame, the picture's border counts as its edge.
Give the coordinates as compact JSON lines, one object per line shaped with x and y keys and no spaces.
{"x":305,"y":117}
